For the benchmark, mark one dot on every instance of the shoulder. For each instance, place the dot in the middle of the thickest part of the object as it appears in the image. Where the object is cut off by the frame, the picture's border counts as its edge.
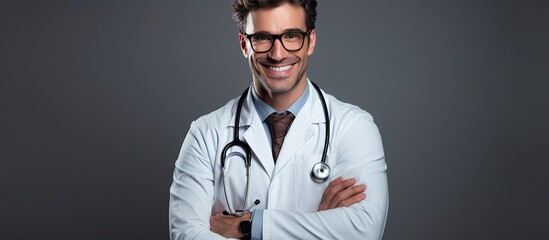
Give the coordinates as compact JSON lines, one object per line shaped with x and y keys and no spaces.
{"x":346,"y":113}
{"x":349,"y":121}
{"x":216,"y":119}
{"x":354,"y":130}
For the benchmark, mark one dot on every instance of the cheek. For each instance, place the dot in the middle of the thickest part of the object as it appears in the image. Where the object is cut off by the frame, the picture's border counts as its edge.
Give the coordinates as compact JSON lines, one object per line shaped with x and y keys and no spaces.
{"x":253,"y":64}
{"x":252,"y":60}
{"x":255,"y":59}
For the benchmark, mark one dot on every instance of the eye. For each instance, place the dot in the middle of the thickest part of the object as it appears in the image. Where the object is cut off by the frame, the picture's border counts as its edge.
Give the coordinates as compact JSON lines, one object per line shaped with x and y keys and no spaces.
{"x":261,"y":37}
{"x":291,"y":35}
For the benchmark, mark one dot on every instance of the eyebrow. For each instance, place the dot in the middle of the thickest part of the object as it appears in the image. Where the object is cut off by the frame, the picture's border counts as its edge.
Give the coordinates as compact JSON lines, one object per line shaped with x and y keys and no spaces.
{"x":285,"y":31}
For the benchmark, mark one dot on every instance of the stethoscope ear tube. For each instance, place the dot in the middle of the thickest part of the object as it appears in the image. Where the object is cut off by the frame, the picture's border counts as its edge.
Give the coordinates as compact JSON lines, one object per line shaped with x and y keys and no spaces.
{"x":236,"y":140}
{"x":247,"y":160}
{"x":241,"y":144}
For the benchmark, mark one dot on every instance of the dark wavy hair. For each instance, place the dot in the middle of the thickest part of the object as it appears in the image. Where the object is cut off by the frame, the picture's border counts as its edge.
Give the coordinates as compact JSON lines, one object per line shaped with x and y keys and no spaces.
{"x":241,"y":8}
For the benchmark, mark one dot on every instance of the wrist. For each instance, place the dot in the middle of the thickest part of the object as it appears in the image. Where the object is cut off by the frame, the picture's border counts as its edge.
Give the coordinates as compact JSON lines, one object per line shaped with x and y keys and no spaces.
{"x":245,"y":225}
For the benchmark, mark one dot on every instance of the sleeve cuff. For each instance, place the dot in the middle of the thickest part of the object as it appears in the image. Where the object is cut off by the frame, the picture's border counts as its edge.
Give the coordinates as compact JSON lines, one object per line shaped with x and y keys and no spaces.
{"x":257,"y":224}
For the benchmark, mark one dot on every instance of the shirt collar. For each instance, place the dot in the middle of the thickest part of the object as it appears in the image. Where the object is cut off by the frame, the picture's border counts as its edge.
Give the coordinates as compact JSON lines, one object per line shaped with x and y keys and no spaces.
{"x":264,"y":110}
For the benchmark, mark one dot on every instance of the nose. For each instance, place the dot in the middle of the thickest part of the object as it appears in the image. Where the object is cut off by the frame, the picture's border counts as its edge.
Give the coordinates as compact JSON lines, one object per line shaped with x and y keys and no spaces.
{"x":278,"y":52}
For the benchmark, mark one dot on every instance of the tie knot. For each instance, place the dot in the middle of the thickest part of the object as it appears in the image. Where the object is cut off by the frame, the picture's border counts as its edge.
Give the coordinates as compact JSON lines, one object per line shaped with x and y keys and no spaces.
{"x":279,"y":123}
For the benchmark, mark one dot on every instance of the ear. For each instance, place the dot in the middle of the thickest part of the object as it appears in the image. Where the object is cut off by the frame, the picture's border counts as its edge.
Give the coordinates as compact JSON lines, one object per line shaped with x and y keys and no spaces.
{"x":243,"y":45}
{"x":312,"y":42}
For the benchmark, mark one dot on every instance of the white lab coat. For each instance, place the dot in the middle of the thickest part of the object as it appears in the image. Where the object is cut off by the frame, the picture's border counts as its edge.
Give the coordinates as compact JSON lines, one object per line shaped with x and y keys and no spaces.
{"x":287,"y":192}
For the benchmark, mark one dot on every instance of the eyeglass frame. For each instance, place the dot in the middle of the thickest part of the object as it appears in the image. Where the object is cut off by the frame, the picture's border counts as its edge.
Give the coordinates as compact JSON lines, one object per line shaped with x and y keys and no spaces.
{"x":279,"y":37}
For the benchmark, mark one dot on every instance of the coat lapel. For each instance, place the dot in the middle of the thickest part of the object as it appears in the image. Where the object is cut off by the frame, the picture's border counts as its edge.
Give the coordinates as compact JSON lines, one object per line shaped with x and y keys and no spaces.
{"x":257,"y":139}
{"x":301,"y":129}
{"x":299,"y":133}
{"x":253,"y":133}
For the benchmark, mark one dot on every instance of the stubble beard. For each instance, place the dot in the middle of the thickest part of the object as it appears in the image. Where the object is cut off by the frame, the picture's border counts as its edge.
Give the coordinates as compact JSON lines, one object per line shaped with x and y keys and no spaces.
{"x":262,"y":83}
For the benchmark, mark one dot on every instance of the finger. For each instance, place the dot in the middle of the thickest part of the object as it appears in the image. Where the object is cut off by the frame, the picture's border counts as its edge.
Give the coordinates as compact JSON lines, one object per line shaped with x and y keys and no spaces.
{"x":334,"y":185}
{"x":324,"y":202}
{"x":345,"y":194}
{"x":336,"y":188}
{"x":333,"y":189}
{"x":352,"y":200}
{"x":213,"y":224}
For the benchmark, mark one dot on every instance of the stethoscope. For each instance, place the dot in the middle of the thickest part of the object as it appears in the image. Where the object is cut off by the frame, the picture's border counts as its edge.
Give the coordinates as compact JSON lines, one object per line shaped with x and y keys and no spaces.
{"x":319,"y":173}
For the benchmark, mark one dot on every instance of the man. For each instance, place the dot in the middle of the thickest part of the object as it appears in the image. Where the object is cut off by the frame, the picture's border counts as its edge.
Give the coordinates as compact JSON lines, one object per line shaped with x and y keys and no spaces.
{"x":277,"y":37}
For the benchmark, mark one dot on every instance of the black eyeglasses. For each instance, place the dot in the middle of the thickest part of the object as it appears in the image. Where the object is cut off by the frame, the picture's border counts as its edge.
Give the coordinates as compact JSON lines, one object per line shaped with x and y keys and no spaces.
{"x":263,"y":42}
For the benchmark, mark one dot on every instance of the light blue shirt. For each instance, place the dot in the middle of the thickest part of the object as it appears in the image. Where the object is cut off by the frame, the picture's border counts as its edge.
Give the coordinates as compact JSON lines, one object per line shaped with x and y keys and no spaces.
{"x":264,"y":111}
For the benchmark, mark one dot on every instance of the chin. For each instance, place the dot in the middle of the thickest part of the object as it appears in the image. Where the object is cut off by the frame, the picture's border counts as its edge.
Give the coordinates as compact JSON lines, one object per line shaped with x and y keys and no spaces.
{"x":280,"y":85}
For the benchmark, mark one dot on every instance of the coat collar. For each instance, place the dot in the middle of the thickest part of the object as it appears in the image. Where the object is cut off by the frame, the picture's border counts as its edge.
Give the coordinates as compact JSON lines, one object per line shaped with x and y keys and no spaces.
{"x":249,"y":113}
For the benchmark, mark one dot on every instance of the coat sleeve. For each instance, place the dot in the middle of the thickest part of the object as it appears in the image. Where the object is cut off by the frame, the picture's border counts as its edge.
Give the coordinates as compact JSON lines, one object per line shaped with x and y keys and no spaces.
{"x":192,"y":190}
{"x":359,"y":154}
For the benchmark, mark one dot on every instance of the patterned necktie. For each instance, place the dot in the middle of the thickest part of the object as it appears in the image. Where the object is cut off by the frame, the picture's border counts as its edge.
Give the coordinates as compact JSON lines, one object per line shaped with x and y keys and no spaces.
{"x":279,"y":124}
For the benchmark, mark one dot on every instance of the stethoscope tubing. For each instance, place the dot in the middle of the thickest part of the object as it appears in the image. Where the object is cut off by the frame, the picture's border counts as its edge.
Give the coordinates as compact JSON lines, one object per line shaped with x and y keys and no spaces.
{"x":327,"y":120}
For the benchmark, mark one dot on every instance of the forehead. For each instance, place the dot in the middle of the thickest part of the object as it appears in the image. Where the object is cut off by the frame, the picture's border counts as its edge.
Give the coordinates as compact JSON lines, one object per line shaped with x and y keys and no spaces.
{"x":276,"y":20}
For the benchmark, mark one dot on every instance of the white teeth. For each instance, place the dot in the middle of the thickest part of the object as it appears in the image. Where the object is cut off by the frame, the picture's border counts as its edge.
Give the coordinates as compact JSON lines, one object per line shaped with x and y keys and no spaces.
{"x":280,"y":69}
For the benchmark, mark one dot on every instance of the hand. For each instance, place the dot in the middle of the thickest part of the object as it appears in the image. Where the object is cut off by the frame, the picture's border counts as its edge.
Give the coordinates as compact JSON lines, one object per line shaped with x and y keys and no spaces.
{"x":342,"y":193}
{"x":227,"y":226}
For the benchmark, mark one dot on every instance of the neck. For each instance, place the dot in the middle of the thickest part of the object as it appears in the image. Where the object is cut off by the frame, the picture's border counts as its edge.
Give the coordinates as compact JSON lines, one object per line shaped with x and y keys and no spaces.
{"x":281,"y":101}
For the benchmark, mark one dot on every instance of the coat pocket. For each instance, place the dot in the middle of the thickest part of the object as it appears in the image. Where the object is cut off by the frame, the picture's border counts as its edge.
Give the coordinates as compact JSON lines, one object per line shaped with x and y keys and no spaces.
{"x":308,"y":193}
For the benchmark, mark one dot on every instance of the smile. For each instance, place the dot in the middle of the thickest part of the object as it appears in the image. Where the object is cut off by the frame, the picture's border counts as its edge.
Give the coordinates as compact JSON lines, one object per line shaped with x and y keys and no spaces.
{"x":279,"y":68}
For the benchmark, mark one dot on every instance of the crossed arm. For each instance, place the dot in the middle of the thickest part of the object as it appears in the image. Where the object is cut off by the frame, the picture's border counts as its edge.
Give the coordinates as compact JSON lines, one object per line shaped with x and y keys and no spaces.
{"x":343,"y":212}
{"x":340,"y":193}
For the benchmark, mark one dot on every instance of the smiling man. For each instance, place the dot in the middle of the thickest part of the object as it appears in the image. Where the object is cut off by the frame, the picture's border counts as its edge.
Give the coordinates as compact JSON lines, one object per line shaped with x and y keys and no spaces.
{"x":284,"y":160}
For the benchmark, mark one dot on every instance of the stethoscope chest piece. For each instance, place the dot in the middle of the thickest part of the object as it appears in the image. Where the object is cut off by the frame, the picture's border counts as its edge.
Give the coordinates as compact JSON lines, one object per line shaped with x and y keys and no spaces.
{"x":320,"y":172}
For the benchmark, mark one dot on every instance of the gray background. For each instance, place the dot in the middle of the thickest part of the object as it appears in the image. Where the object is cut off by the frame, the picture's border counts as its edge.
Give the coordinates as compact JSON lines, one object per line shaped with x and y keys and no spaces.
{"x":97,"y":96}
